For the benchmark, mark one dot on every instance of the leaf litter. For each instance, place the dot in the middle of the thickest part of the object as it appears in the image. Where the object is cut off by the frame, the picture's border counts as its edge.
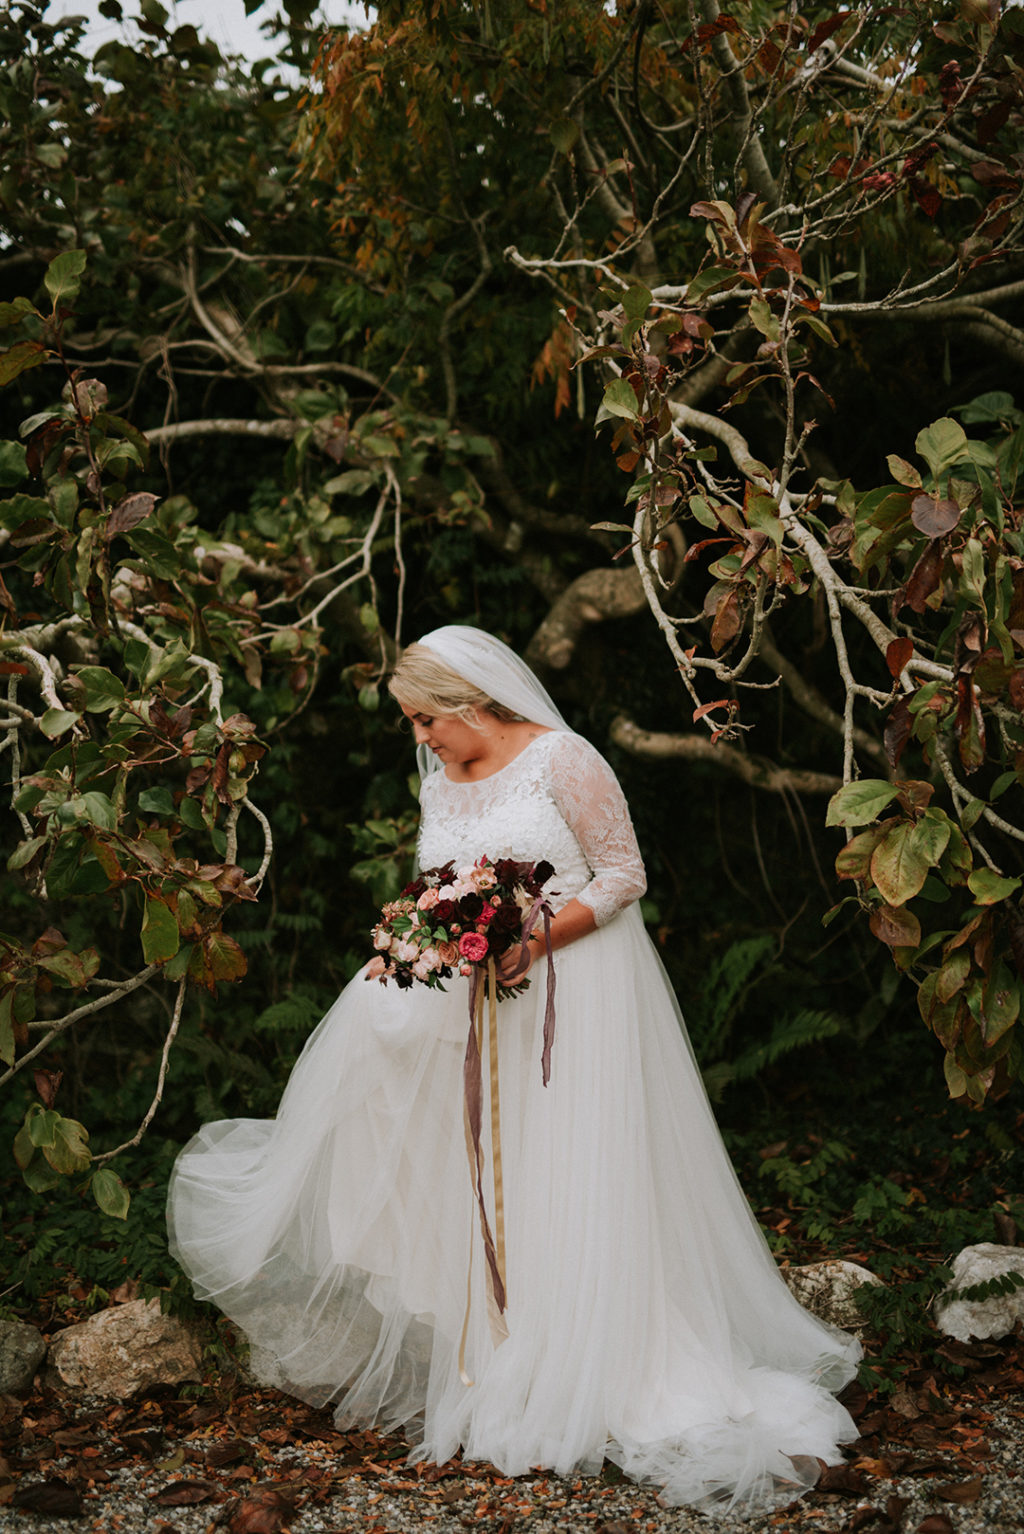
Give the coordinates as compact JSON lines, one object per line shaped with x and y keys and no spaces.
{"x":937,"y":1456}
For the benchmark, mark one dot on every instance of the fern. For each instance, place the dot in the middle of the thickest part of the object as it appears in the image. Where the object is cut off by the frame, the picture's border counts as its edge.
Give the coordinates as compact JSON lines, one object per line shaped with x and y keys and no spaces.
{"x":793,"y":1031}
{"x":296,"y":1013}
{"x":988,"y":1289}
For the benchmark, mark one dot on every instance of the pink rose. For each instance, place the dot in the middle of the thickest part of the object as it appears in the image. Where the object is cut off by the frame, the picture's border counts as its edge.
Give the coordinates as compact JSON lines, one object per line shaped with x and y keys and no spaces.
{"x":376,"y":969}
{"x":428,"y":899}
{"x":381,"y":938}
{"x":473,"y":946}
{"x":486,"y":914}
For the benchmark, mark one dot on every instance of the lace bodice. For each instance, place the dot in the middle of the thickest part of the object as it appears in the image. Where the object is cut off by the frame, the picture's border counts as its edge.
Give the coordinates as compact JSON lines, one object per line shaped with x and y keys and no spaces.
{"x":558,"y":799}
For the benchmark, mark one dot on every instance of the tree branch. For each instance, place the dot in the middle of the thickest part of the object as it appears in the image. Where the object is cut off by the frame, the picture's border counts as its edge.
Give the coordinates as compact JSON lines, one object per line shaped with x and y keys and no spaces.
{"x":758,"y":771}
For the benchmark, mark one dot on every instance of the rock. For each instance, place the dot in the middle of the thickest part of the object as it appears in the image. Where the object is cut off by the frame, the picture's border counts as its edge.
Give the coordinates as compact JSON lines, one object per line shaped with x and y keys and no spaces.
{"x":994,"y":1317}
{"x":828,"y":1289}
{"x":22,"y":1350}
{"x":128,"y":1348}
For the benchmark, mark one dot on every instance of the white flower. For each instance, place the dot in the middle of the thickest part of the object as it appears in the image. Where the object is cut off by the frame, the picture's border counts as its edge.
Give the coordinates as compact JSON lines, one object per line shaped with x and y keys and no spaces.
{"x":381,"y":938}
{"x":406,"y":951}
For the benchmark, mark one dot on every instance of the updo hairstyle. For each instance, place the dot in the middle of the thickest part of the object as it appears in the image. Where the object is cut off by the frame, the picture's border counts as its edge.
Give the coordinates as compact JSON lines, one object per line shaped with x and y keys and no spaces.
{"x":426,"y":685}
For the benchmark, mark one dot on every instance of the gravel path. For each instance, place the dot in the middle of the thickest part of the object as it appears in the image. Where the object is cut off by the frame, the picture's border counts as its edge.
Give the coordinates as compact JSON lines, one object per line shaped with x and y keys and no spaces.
{"x":128,"y":1465}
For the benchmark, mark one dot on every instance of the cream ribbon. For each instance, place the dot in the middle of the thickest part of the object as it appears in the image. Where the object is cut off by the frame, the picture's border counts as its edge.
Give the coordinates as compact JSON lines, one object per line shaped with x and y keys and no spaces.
{"x":472,"y":1117}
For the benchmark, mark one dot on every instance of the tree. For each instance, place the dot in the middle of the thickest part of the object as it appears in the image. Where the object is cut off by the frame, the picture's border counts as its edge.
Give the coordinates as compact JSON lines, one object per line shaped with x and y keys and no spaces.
{"x":292,"y":377}
{"x":869,"y":147}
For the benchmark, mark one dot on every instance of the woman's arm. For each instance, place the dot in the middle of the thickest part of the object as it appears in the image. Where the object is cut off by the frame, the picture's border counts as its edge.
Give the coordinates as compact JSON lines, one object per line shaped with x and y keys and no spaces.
{"x":573,"y":921}
{"x":594,"y":807}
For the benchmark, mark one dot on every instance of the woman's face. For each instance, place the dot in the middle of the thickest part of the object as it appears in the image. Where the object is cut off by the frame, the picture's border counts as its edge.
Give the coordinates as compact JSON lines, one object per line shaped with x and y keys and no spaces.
{"x":450,"y":738}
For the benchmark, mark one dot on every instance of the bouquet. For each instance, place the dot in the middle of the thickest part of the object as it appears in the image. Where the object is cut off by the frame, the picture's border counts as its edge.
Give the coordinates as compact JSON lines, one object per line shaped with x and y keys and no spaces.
{"x":458,"y":920}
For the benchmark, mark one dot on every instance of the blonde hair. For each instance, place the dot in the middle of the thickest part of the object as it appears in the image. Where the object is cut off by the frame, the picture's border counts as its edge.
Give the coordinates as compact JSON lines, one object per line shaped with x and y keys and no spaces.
{"x":426,"y":685}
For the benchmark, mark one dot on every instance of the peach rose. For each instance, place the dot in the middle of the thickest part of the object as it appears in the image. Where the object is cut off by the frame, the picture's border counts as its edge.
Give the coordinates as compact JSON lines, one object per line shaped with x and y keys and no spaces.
{"x":376,"y":969}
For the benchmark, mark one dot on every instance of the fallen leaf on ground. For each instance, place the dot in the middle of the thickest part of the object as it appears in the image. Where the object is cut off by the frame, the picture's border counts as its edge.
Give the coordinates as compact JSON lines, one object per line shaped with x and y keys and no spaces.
{"x":842,"y":1479}
{"x":54,"y":1499}
{"x":185,"y":1493}
{"x":265,"y":1511}
{"x":962,"y":1491}
{"x":936,"y":1523}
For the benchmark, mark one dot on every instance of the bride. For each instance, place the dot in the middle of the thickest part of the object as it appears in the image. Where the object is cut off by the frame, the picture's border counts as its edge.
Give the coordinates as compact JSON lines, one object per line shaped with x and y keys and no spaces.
{"x":647,"y":1322}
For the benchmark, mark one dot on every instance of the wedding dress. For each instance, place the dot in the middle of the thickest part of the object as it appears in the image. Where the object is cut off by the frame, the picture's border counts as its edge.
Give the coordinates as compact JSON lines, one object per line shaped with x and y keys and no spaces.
{"x":647,"y":1320}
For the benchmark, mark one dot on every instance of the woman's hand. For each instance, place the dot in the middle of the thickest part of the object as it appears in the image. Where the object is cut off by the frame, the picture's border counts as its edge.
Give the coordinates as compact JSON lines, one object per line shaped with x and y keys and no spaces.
{"x":514,"y":964}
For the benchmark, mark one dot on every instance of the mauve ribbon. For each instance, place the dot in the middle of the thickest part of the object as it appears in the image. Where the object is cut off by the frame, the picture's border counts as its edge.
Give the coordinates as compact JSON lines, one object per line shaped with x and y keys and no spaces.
{"x":473,"y":1111}
{"x":541,"y":905}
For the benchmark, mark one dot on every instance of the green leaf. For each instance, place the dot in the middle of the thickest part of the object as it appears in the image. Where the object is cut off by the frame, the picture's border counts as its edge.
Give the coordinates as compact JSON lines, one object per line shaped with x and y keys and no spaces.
{"x":63,"y":276}
{"x":42,"y":1127}
{"x":619,"y":400}
{"x":25,"y":852}
{"x":56,"y":721}
{"x":110,"y":1193}
{"x":902,"y":860}
{"x":942,"y":444}
{"x":564,"y":133}
{"x":989,"y":888}
{"x":11,"y":313}
{"x":19,"y":358}
{"x":708,"y":281}
{"x":103,"y":690}
{"x":160,"y":936}
{"x":70,"y":1149}
{"x":857,"y":804}
{"x":39,"y":1176}
{"x":13,"y":463}
{"x":636,"y":301}
{"x":156,"y":801}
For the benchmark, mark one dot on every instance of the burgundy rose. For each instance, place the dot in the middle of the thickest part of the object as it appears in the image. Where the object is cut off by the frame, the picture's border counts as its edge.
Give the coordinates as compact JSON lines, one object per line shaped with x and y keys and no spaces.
{"x":470,"y":907}
{"x":507,"y":918}
{"x":542,"y":873}
{"x":443,"y":912}
{"x":415,"y":890}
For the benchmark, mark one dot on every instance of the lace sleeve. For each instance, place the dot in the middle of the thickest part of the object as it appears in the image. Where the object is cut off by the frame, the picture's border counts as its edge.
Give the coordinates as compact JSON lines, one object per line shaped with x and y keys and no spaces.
{"x":588,"y":795}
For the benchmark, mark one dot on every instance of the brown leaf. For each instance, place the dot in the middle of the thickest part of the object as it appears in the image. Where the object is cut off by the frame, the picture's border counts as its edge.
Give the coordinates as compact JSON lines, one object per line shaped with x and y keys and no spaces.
{"x":961,"y":1492}
{"x":936,"y":1523}
{"x":186,"y":1493}
{"x":129,"y":512}
{"x":898,"y":653}
{"x":47,"y":1083}
{"x":842,"y":1479}
{"x":898,"y":729}
{"x":933,"y":517}
{"x":727,"y":621}
{"x":220,"y":1454}
{"x":903,"y":1402}
{"x":924,"y":579}
{"x":53,"y":1499}
{"x":896,"y":927}
{"x":264,"y":1512}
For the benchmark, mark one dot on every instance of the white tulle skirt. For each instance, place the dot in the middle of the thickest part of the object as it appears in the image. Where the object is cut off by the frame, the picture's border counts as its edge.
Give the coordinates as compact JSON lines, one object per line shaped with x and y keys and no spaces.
{"x":647,"y":1320}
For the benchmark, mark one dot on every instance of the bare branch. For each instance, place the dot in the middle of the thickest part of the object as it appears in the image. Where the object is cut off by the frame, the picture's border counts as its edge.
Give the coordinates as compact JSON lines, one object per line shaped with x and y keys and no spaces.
{"x":161,"y":1079}
{"x":758,"y":771}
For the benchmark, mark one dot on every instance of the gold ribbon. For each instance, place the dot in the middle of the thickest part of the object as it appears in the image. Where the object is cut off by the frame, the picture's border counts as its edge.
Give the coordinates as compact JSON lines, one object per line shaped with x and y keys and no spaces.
{"x":472,"y":1118}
